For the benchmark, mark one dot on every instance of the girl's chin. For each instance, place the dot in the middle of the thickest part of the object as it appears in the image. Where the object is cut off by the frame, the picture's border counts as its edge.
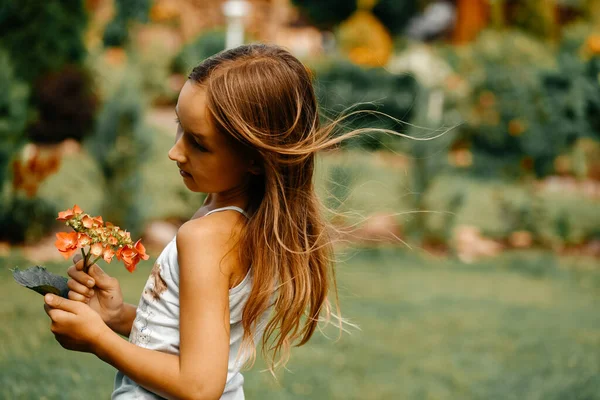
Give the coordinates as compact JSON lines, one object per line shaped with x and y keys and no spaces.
{"x":190,"y":184}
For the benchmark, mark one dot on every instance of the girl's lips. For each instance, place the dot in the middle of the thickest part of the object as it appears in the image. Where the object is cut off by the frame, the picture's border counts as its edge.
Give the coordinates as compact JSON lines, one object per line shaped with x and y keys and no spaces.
{"x":184,"y":174}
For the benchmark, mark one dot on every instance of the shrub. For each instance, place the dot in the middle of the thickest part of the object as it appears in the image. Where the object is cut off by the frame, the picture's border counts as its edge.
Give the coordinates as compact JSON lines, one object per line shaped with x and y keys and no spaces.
{"x":326,"y":14}
{"x":116,"y":33}
{"x":395,"y":14}
{"x":120,"y":145}
{"x":66,"y":105}
{"x":42,"y":36}
{"x":14,"y":96}
{"x":204,"y":46}
{"x":500,"y":208}
{"x":25,"y":219}
{"x":341,"y":85}
{"x":527,"y":105}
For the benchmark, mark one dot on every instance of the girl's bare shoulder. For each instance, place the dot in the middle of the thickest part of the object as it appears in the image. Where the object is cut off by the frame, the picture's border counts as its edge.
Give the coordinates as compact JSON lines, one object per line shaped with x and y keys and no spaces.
{"x":213,"y":237}
{"x":222,"y":227}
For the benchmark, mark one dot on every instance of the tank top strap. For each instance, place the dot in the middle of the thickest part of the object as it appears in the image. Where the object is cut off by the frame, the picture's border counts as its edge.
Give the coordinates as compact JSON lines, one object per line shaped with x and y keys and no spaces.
{"x":234,"y":208}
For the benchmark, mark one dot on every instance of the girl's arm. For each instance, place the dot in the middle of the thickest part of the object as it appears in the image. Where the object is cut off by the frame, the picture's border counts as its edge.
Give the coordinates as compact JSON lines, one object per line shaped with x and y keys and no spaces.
{"x":200,"y":371}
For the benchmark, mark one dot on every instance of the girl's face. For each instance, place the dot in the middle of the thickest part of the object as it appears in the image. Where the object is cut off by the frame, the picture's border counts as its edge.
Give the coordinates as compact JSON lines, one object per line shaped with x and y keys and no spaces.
{"x":208,"y":160}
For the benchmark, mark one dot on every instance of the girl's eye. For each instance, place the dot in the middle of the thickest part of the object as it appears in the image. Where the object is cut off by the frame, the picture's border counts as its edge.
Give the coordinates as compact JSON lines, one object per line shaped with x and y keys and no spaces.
{"x":195,"y":143}
{"x":199,"y":146}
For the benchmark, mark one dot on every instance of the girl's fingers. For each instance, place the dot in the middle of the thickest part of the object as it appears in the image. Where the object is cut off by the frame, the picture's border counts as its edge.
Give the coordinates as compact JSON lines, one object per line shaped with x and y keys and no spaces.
{"x":79,"y":264}
{"x":78,"y":257}
{"x":59,"y":304}
{"x":79,"y":288}
{"x":77,"y":297}
{"x":80,"y":276}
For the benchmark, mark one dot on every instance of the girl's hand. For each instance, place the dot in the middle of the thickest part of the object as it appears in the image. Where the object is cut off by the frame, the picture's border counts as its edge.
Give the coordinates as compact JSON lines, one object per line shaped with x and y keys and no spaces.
{"x":99,"y":290}
{"x":74,"y":324}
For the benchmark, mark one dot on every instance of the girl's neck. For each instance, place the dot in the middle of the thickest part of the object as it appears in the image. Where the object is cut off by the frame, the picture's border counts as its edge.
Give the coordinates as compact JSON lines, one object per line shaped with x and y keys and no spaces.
{"x":235,"y":197}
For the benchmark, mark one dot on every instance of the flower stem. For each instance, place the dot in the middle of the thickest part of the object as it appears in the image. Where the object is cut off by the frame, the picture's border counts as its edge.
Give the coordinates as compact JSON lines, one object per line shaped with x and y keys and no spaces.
{"x":85,"y":261}
{"x":97,"y":258}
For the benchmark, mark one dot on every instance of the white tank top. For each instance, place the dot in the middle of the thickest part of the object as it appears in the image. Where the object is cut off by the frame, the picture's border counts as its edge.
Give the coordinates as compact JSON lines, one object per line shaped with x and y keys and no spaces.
{"x":156,"y":325}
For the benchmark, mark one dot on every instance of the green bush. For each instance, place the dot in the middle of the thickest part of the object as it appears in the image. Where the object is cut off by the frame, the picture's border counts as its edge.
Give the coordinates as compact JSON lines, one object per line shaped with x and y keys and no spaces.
{"x":204,"y":46}
{"x":120,"y":145}
{"x":326,"y":14}
{"x":342,"y":87}
{"x":14,"y":96}
{"x":528,"y":105}
{"x":42,"y":36}
{"x":21,"y":218}
{"x":25,"y":219}
{"x":116,"y":33}
{"x":66,"y":106}
{"x":499,"y":209}
{"x":395,"y":14}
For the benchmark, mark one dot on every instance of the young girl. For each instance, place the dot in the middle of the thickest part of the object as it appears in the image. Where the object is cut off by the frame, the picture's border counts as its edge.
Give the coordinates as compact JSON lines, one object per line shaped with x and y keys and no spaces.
{"x":253,"y":262}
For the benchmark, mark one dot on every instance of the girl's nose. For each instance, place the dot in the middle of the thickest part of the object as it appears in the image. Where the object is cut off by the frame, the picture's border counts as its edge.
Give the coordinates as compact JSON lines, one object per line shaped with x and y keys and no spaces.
{"x":176,"y":152}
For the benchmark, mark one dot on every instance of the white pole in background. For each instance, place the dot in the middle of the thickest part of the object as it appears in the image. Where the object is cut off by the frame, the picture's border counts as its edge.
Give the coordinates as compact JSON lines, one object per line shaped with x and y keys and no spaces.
{"x":235,"y":11}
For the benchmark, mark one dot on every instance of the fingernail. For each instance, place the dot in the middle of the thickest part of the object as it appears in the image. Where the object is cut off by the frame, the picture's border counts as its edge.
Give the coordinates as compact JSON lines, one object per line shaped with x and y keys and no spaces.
{"x":49,"y":298}
{"x":90,"y":283}
{"x":91,"y":292}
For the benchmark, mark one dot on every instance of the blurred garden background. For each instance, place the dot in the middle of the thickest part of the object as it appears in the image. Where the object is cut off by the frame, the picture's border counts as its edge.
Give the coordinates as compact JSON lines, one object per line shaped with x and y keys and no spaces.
{"x":471,"y":262}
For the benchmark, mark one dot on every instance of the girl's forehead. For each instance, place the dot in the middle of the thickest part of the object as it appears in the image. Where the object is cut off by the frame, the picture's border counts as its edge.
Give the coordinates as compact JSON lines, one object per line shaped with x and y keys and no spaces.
{"x":191,"y":105}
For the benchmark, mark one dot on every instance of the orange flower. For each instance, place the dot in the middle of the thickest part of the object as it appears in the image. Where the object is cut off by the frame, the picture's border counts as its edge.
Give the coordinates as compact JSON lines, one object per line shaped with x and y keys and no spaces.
{"x":108,"y":254}
{"x":87,"y":221}
{"x":66,"y":243}
{"x":112,"y":241}
{"x":98,"y":221}
{"x":70,"y":213}
{"x":96,"y":249}
{"x":130,"y":256}
{"x":141,"y":250}
{"x":83,"y":240}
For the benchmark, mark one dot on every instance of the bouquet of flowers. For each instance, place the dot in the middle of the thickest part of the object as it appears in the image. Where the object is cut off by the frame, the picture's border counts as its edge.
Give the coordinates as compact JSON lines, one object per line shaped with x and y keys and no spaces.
{"x":101,"y":239}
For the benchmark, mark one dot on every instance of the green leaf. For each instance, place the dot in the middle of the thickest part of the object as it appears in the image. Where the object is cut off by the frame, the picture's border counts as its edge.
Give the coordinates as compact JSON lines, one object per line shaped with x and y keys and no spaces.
{"x":41,"y":281}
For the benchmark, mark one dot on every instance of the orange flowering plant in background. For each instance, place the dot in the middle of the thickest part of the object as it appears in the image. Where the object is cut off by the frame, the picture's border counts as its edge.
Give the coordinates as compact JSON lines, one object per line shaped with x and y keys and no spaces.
{"x":101,"y":239}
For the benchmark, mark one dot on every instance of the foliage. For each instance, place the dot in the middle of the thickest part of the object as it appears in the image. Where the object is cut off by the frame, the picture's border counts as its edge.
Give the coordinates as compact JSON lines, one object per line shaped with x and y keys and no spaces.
{"x":342,"y":86}
{"x":526,"y":106}
{"x":66,"y":106}
{"x":326,"y":14}
{"x":116,"y":32}
{"x":120,"y":145}
{"x":154,"y":71}
{"x":204,"y":46}
{"x":25,"y":219}
{"x":14,"y":96}
{"x":44,"y":41}
{"x":42,"y":36}
{"x":534,"y":16}
{"x":21,"y":218}
{"x":395,"y":14}
{"x":499,"y":209}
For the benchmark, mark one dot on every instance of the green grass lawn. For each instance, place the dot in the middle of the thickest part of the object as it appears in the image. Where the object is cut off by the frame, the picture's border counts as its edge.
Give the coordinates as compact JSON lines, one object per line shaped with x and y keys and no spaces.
{"x":523,"y":326}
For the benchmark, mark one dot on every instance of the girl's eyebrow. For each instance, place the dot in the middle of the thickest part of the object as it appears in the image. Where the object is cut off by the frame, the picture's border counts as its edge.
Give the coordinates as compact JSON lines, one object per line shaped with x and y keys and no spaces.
{"x":199,"y":136}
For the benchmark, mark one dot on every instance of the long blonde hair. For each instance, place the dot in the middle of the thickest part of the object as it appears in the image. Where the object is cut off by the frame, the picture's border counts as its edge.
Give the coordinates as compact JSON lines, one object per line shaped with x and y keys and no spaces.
{"x":263,"y":97}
